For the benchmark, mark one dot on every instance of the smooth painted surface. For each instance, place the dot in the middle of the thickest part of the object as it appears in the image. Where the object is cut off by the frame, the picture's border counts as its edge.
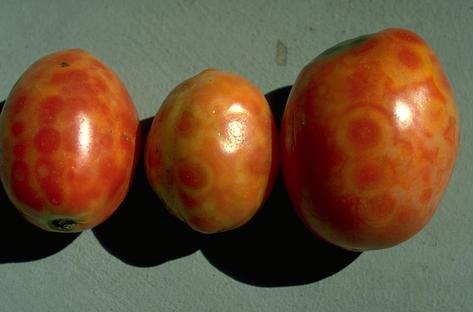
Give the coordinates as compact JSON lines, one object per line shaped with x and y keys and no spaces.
{"x":143,"y":260}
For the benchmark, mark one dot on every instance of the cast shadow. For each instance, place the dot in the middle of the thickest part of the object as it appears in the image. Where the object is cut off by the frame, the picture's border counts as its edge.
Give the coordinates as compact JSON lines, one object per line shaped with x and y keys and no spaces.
{"x":275,"y":249}
{"x":141,"y":232}
{"x":21,"y":241}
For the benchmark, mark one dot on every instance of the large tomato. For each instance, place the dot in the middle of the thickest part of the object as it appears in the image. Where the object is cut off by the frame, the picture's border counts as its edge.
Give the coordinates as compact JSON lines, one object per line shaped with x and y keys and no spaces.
{"x":68,"y":134}
{"x":369,"y":140}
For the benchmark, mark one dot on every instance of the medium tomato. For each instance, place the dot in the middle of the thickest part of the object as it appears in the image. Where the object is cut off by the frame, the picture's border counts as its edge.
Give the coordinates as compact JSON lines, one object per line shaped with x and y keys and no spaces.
{"x":369,"y":140}
{"x":211,"y":152}
{"x":68,"y":134}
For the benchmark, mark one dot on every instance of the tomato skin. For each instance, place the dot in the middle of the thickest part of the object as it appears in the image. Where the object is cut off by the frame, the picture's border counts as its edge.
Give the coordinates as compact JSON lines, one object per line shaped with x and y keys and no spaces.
{"x":211,"y":154}
{"x":369,"y":139}
{"x":68,"y":135}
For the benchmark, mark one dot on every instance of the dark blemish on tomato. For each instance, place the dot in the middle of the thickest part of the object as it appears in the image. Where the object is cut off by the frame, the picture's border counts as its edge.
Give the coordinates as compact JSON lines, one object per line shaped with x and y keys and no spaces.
{"x":17,"y":128}
{"x":19,"y":176}
{"x":364,"y":132}
{"x":46,"y":140}
{"x":71,"y":56}
{"x":64,"y":64}
{"x":19,"y":150}
{"x":191,"y":175}
{"x":50,"y":108}
{"x":409,"y":58}
{"x":62,"y":225}
{"x":186,"y":124}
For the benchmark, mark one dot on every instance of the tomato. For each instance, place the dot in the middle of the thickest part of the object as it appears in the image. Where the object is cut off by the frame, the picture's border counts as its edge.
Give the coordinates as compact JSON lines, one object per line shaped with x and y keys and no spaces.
{"x":369,"y":140}
{"x":211,"y":153}
{"x":68,"y":134}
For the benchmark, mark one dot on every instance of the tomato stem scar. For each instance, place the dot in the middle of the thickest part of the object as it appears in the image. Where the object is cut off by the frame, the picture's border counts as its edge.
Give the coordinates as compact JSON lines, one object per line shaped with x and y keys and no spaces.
{"x":63,"y":225}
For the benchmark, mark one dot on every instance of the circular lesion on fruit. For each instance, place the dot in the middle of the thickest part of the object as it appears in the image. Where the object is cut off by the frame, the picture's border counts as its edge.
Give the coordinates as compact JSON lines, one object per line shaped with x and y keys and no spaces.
{"x":377,"y":210}
{"x":63,"y":224}
{"x":364,"y":132}
{"x":409,"y":58}
{"x":192,"y":175}
{"x":363,"y":128}
{"x":187,"y":124}
{"x":369,"y":175}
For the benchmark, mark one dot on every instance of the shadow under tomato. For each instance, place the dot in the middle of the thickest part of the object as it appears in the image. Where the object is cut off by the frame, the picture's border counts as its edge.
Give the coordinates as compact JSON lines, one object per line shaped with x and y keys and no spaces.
{"x":274,"y":248}
{"x":141,"y":232}
{"x":21,"y":241}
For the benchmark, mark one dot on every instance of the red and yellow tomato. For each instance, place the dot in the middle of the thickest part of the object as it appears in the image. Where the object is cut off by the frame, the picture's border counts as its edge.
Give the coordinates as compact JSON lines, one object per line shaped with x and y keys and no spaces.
{"x":68,"y":134}
{"x":211,"y":153}
{"x":369,"y":140}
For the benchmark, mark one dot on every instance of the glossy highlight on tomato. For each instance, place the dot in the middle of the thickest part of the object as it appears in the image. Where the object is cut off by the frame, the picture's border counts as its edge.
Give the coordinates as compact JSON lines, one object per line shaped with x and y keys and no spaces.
{"x":68,"y":137}
{"x":211,"y":154}
{"x":369,"y":140}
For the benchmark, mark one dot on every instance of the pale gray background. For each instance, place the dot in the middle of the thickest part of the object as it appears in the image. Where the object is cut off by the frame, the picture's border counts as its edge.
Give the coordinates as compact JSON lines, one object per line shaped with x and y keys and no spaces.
{"x":152,"y":46}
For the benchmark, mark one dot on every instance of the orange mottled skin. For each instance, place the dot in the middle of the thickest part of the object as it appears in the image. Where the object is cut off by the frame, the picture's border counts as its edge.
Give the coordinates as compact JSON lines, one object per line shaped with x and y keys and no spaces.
{"x":68,"y":134}
{"x":211,"y":151}
{"x":369,"y":140}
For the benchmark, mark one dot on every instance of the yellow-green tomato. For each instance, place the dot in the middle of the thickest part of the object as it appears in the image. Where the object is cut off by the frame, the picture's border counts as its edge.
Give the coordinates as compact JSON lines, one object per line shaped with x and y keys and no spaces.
{"x":211,"y":153}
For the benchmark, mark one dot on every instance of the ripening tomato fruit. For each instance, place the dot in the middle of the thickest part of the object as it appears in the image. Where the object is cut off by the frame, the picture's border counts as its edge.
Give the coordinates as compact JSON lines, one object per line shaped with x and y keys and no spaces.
{"x":211,"y":153}
{"x":369,"y":140}
{"x":68,"y":134}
